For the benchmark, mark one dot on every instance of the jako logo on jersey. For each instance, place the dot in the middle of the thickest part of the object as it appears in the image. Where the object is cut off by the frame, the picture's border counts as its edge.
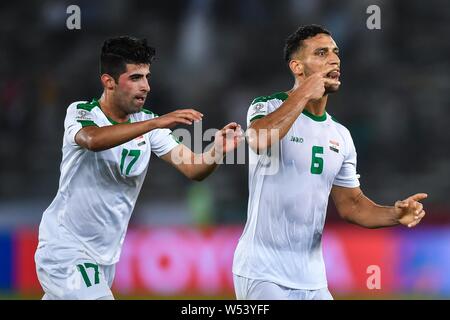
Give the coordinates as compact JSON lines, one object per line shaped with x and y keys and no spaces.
{"x":334,"y":146}
{"x":296,"y":139}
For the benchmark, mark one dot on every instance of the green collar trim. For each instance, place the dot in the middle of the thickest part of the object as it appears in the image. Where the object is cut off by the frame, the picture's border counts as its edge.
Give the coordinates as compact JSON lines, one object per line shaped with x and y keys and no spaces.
{"x":96,"y":103}
{"x":314,"y":117}
{"x":280,"y":95}
{"x":283,"y":96}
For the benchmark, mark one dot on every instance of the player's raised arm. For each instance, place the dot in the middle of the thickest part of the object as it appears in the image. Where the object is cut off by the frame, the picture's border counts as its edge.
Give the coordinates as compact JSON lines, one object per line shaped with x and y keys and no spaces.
{"x":355,"y":207}
{"x":101,"y":138}
{"x":280,"y":121}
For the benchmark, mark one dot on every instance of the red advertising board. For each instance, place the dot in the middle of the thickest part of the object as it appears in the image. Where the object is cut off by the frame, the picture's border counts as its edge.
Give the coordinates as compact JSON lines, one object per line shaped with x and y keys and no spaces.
{"x":192,"y":261}
{"x":178,"y":261}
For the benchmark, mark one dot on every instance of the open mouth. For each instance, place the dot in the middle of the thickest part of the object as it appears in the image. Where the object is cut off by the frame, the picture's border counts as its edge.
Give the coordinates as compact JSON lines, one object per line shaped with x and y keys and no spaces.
{"x":334,"y":74}
{"x":140,"y":99}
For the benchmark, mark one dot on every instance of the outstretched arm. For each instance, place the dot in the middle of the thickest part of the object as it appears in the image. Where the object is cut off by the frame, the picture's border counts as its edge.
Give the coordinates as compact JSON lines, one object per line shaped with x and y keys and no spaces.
{"x":101,"y":138}
{"x":199,"y":166}
{"x":354,"y":207}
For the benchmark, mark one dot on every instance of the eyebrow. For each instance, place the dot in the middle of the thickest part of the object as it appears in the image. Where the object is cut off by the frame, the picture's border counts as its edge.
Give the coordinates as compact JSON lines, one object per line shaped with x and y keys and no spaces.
{"x":327,"y":49}
{"x":139,"y":75}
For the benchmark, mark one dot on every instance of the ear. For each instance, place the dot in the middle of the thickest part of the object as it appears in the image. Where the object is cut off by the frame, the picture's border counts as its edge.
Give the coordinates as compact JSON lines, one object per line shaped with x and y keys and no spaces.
{"x":108,"y":81}
{"x":296,"y":67}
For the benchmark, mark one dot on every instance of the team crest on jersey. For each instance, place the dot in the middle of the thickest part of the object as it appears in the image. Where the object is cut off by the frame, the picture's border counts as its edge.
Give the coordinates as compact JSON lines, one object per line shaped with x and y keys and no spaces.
{"x":334,"y":146}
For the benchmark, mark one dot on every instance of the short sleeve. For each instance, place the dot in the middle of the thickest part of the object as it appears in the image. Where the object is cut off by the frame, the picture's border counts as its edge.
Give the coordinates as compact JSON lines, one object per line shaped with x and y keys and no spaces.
{"x":257,"y":110}
{"x":347,"y":176}
{"x":162,"y":141}
{"x":78,"y":116}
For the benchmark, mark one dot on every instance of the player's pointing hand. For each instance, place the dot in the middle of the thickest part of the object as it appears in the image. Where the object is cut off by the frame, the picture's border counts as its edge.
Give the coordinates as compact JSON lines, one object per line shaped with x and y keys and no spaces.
{"x":313,"y":87}
{"x":410,"y":211}
{"x":183,"y":116}
{"x":228,"y":138}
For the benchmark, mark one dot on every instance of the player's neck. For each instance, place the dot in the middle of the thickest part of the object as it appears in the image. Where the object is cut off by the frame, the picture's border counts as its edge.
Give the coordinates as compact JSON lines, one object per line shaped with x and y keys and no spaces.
{"x":316,"y":107}
{"x":112,"y":110}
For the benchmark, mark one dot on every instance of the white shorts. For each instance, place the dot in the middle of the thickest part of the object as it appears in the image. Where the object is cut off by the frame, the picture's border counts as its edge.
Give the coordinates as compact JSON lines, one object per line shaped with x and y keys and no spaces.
{"x":71,"y":274}
{"x":250,"y":289}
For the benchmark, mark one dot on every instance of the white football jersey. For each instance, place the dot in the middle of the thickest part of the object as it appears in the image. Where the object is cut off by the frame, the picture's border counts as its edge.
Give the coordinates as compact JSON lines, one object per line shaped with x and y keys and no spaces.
{"x":98,"y":190}
{"x":282,"y":239}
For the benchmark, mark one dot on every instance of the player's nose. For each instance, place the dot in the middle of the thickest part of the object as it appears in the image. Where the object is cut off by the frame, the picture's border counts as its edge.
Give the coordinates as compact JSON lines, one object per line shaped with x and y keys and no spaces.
{"x":334,"y":60}
{"x":146,"y":86}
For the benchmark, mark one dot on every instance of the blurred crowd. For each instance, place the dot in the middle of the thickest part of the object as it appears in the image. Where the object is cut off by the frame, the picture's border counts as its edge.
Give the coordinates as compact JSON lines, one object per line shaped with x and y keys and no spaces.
{"x":216,"y":57}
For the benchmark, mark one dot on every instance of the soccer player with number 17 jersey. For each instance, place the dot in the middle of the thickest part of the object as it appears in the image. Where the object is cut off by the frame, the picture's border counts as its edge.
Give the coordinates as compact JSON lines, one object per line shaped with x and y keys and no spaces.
{"x":106,"y":153}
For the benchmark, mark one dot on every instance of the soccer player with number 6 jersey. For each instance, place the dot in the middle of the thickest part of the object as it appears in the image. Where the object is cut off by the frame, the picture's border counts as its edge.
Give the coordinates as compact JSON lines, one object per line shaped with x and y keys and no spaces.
{"x":279,"y":255}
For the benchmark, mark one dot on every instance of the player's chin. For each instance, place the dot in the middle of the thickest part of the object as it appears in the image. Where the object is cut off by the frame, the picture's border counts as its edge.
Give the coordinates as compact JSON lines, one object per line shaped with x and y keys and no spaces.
{"x":136,"y":106}
{"x":332,"y":88}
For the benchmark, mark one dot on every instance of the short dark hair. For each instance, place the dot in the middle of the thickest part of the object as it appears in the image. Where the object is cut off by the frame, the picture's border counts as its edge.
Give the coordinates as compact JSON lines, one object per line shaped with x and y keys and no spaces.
{"x":295,"y":40}
{"x":117,"y":52}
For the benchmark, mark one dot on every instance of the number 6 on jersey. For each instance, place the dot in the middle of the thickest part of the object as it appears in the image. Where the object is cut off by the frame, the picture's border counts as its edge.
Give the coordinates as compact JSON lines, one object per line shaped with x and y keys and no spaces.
{"x":316,"y":162}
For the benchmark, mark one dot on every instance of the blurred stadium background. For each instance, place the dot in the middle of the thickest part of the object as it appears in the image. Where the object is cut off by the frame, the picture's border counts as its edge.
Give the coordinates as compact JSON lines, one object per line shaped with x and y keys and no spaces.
{"x":216,"y":56}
